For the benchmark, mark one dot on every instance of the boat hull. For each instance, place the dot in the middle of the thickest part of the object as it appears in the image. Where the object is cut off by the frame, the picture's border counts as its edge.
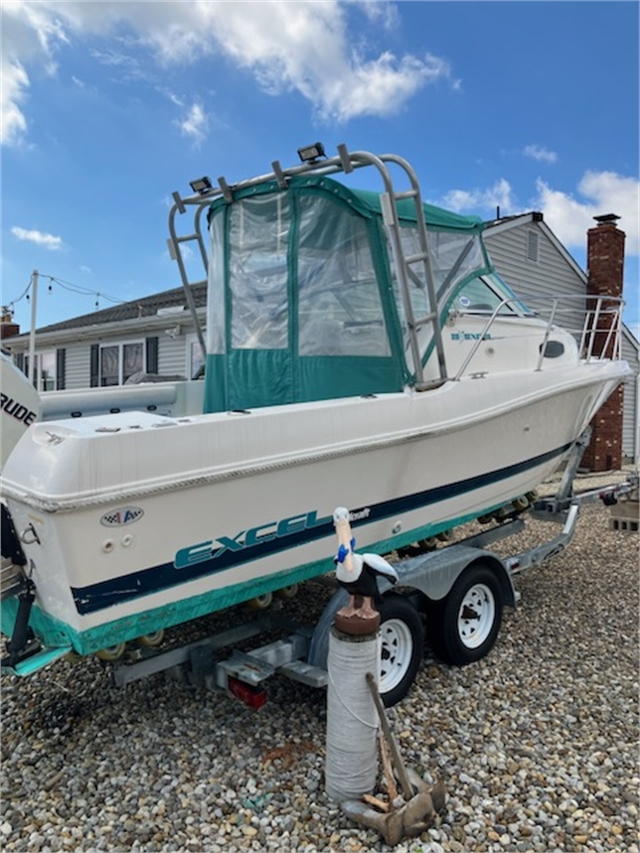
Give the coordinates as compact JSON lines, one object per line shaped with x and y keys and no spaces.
{"x":134,"y":522}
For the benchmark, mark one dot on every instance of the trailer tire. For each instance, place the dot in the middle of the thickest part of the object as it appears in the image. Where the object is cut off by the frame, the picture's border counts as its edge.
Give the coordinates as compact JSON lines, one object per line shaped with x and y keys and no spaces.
{"x":402,"y":645}
{"x":465,"y":625}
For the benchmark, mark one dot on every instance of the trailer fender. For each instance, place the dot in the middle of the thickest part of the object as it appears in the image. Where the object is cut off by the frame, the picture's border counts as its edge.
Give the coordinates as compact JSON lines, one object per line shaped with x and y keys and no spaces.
{"x":434,"y":574}
{"x":319,"y":646}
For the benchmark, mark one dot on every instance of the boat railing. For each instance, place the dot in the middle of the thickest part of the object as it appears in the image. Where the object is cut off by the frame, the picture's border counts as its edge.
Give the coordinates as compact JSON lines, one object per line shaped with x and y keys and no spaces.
{"x":594,"y":321}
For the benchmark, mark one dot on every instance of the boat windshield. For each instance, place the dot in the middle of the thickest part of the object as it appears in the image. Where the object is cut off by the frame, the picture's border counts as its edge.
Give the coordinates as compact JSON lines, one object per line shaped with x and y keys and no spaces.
{"x":485,"y":294}
{"x":453,"y":257}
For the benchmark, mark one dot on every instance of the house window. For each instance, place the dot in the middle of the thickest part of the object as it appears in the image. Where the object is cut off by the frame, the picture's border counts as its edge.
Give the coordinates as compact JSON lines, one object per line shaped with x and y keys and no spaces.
{"x":533,"y":244}
{"x":196,"y":358}
{"x":118,"y":362}
{"x":45,"y":373}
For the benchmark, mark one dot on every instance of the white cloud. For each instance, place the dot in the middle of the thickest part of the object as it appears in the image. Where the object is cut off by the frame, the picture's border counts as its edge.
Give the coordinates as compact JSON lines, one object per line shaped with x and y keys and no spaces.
{"x":600,"y":192}
{"x":465,"y":201}
{"x":303,"y":47}
{"x":194,"y":124}
{"x":40,"y":238}
{"x":15,"y":82}
{"x":379,"y":87}
{"x":114,"y":58}
{"x":538,"y":152}
{"x":29,"y":35}
{"x":307,"y":47}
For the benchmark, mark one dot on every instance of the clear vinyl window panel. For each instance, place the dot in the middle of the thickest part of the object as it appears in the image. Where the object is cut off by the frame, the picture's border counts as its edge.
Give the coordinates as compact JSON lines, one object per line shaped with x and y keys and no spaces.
{"x":215,"y":286}
{"x":258,"y":234}
{"x":339,"y":306}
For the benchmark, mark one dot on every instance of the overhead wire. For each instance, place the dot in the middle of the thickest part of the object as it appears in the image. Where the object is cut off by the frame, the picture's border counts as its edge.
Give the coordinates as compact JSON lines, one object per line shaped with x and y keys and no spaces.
{"x":65,"y":285}
{"x":22,"y":295}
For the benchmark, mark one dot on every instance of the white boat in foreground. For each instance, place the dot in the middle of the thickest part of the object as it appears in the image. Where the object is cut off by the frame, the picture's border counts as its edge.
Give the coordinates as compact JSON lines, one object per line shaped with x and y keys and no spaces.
{"x":361,"y":351}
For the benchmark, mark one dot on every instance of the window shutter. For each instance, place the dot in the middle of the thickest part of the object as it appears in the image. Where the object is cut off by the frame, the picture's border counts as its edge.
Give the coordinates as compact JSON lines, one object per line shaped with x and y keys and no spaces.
{"x":61,"y":359}
{"x":20,"y":361}
{"x":95,"y":365}
{"x":151,"y":355}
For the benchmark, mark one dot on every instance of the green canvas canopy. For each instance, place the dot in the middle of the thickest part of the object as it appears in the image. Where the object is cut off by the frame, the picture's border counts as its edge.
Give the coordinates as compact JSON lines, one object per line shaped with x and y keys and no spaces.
{"x":303,"y":296}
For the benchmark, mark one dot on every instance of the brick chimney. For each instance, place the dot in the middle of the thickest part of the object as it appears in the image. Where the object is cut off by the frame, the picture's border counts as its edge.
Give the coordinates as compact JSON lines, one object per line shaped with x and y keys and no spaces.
{"x":7,"y":327}
{"x":605,"y":267}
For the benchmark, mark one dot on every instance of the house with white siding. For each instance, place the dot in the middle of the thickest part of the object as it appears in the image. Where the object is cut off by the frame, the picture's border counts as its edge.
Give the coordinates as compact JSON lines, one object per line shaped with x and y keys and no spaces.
{"x":153,"y":335}
{"x":157,"y":334}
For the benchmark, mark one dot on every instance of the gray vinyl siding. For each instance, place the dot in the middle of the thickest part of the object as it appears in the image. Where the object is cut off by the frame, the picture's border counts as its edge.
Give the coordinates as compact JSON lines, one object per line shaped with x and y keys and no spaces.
{"x":630,"y":401}
{"x":548,"y":277}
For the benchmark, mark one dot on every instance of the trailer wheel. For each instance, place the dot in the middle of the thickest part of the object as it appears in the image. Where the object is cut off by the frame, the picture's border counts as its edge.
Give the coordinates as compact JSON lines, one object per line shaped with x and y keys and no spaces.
{"x":402,"y":636}
{"x":468,"y":620}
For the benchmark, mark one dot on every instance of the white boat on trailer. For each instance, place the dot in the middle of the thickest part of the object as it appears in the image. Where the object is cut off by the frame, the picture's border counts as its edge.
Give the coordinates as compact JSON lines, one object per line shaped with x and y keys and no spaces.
{"x":361,"y":350}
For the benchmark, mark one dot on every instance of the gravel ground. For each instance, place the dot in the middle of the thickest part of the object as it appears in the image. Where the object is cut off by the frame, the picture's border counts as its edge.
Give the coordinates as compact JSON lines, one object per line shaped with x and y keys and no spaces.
{"x":537,"y":743}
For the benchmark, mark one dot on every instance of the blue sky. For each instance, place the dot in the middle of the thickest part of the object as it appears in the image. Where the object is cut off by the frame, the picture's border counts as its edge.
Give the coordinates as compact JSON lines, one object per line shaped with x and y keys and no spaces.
{"x":107,"y":107}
